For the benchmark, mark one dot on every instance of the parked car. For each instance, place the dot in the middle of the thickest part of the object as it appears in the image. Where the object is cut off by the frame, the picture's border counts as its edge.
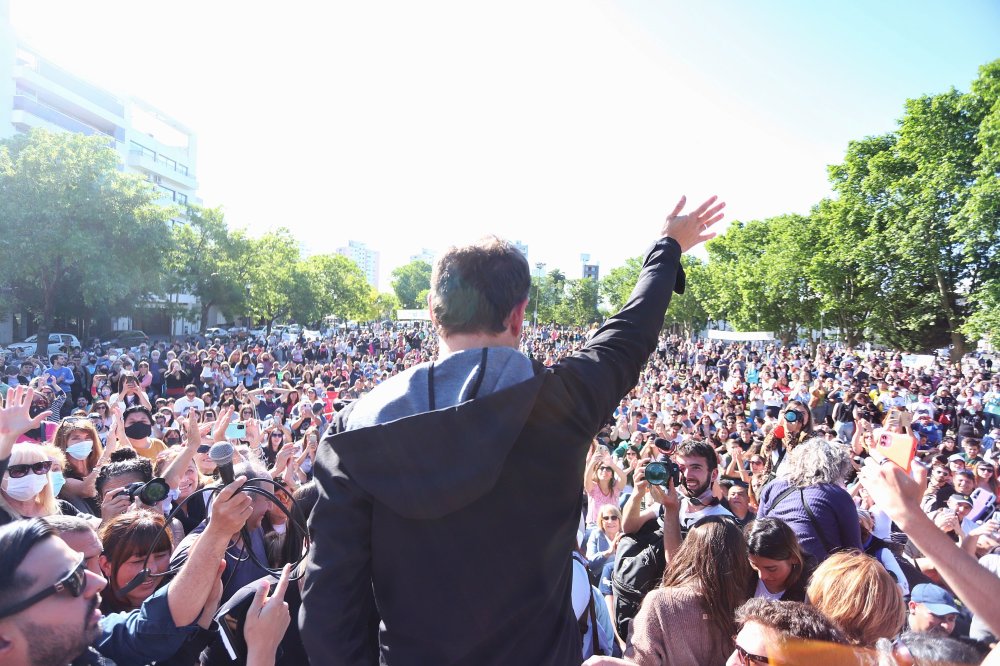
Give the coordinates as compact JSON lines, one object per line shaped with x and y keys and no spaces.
{"x":215,"y":332}
{"x":127,"y":339}
{"x":58,"y":342}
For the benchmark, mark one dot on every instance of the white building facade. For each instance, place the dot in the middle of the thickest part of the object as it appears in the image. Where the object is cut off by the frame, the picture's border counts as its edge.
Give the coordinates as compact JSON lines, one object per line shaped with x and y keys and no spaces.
{"x":366,"y":258}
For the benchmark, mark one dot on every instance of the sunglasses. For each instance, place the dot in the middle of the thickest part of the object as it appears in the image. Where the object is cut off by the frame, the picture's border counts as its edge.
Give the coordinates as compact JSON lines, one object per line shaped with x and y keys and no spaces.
{"x":603,"y":468}
{"x":748,"y":658}
{"x":20,"y":471}
{"x":609,"y":517}
{"x":74,"y":582}
{"x":756,"y":462}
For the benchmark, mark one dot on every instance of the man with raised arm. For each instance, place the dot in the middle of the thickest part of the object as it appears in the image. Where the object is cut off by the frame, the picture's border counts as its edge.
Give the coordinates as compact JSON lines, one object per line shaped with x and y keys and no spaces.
{"x":419,"y":479}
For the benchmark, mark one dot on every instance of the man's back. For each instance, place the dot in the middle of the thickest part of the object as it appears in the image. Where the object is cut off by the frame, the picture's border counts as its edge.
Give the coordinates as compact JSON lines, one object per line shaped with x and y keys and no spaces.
{"x":445,"y":537}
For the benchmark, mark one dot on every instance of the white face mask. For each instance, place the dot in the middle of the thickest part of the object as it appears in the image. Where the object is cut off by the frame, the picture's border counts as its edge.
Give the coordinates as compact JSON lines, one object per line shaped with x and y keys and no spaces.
{"x":80,"y":450}
{"x":25,"y":488}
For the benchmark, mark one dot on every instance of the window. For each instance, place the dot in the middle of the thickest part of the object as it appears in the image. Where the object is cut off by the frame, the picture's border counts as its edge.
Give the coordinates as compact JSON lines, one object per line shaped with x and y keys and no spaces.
{"x":182,"y":198}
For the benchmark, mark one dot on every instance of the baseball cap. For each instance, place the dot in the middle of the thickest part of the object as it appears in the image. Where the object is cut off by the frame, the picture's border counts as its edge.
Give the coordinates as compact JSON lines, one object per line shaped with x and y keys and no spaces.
{"x":959,"y":497}
{"x":937,"y":599}
{"x":956,"y":456}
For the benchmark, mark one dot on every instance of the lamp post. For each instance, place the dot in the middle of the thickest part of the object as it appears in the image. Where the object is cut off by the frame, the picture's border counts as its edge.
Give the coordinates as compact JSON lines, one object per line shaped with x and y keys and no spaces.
{"x":539,"y":270}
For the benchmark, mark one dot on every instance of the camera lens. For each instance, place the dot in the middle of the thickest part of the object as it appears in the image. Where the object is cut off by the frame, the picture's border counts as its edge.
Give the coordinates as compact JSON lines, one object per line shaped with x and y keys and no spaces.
{"x":656,"y":474}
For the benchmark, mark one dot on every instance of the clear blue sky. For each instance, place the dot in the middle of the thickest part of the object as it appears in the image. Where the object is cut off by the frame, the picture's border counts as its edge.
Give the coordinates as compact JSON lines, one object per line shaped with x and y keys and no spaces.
{"x":571,"y":125}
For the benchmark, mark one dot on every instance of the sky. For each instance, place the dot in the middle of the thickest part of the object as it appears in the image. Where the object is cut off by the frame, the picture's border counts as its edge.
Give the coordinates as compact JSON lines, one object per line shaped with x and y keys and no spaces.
{"x":570,"y":125}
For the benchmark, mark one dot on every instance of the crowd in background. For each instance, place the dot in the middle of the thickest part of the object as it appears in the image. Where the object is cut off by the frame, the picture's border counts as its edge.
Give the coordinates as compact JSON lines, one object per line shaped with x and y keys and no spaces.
{"x":778,"y":497}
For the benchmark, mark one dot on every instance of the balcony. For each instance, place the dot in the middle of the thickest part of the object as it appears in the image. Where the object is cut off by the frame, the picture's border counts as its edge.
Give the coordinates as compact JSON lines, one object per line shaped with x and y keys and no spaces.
{"x":58,"y":118}
{"x":138,"y":159}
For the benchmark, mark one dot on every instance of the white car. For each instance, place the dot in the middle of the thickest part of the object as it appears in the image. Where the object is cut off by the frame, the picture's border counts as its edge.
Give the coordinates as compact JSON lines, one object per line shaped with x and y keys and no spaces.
{"x":58,"y":342}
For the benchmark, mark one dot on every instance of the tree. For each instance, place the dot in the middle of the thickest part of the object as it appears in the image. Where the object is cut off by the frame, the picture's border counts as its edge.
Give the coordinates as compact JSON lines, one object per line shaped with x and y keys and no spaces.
{"x":333,"y":285}
{"x":383,"y":306}
{"x":617,"y":285}
{"x":274,"y":276}
{"x":687,"y":310}
{"x":409,"y":280}
{"x":579,"y":307}
{"x":209,"y":261}
{"x":757,"y":275}
{"x":76,"y":225}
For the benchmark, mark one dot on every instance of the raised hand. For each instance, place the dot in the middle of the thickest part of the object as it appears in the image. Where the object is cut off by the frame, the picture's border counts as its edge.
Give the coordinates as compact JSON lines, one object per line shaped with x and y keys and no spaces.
{"x":692,"y":228}
{"x":15,"y":418}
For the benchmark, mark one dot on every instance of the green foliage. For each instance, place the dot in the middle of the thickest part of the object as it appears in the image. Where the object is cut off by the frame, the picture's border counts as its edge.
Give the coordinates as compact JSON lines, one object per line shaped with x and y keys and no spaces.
{"x":76,"y":229}
{"x":208,"y":260}
{"x":409,"y":281}
{"x":578,"y":307}
{"x":617,"y":285}
{"x":275,"y":278}
{"x":333,"y":285}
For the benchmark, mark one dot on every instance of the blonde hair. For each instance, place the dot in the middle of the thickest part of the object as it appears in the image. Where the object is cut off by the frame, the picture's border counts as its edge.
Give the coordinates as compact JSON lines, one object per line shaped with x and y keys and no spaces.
{"x":69,"y":427}
{"x":56,"y":455}
{"x":856,"y":592}
{"x":26,"y":454}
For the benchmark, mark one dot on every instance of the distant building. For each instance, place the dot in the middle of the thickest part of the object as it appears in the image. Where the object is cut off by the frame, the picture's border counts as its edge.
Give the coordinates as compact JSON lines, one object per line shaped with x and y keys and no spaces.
{"x":522,"y":248}
{"x":424,"y":255}
{"x":592,"y":271}
{"x":365,"y":257}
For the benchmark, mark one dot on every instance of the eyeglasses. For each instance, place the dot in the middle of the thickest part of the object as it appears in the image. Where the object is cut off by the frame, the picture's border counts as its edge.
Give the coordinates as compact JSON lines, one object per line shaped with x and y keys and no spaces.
{"x":19,"y":471}
{"x":747,"y":657}
{"x":609,"y":517}
{"x":74,"y":582}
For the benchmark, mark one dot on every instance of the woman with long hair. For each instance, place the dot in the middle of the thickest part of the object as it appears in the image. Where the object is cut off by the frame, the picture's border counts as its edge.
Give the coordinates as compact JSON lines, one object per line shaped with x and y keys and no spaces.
{"x":26,"y":487}
{"x":781,"y":569}
{"x":78,"y":439}
{"x":689,"y":619}
{"x":603,"y":481}
{"x":984,"y":497}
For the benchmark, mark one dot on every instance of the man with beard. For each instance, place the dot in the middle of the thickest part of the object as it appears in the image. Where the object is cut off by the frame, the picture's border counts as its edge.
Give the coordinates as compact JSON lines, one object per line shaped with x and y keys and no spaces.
{"x":699,"y":466}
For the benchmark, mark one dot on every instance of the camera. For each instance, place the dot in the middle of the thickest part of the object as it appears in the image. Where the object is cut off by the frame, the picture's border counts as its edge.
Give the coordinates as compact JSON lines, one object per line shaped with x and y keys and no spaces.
{"x":658,"y":473}
{"x":150,"y":493}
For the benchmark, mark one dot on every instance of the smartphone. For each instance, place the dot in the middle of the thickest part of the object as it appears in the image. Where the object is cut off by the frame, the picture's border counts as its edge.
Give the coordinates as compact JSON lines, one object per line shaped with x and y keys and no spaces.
{"x":236,"y":430}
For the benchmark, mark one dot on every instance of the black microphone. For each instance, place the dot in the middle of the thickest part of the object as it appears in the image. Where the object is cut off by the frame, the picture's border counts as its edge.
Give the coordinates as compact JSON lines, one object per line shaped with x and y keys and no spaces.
{"x":221,"y":454}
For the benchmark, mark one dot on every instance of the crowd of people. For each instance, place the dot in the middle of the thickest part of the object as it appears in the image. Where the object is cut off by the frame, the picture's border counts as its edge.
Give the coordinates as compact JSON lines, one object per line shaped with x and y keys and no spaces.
{"x":734,"y":504}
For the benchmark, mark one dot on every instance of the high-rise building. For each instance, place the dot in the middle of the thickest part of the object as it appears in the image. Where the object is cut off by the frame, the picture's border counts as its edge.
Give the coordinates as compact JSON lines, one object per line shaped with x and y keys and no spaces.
{"x":35,"y":92}
{"x":522,"y":248}
{"x":590,"y":270}
{"x":365,"y":257}
{"x":424,"y":255}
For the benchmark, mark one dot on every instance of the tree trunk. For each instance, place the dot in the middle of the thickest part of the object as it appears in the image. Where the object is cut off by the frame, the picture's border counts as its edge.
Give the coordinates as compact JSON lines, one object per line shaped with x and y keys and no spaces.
{"x":203,"y":324}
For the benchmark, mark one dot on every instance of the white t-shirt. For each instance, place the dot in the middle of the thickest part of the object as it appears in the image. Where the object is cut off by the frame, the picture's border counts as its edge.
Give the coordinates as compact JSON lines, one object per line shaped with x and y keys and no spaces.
{"x":182,"y":403}
{"x":763,"y":593}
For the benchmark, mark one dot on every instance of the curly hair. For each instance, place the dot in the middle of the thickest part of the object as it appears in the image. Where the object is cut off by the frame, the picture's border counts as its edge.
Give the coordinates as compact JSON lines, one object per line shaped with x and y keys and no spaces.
{"x":816,"y":461}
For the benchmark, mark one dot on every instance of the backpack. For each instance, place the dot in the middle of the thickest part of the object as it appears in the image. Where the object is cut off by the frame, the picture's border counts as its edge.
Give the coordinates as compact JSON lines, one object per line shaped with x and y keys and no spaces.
{"x":639,"y":565}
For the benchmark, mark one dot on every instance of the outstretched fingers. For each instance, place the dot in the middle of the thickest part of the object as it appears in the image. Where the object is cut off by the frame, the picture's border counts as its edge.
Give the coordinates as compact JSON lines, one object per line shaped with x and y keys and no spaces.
{"x":678,"y":208}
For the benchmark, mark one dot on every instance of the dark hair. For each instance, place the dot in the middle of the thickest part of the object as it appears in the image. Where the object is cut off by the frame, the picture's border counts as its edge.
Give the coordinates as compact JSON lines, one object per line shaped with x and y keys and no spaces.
{"x":713,"y":557}
{"x":774,"y":539}
{"x":137,"y":408}
{"x":926,"y":648}
{"x":16,"y":539}
{"x":128,"y":535}
{"x":693,"y":447}
{"x":475,"y":287}
{"x":790,"y":619}
{"x":139,"y":466}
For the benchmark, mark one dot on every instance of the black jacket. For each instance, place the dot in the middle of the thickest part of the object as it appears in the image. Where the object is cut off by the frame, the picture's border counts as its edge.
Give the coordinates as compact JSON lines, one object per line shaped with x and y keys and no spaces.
{"x":409,"y":563}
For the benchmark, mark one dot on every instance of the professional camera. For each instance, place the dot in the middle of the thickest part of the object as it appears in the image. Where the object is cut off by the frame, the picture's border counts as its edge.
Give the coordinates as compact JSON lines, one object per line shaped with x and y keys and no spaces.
{"x":151,"y":493}
{"x":658,"y":473}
